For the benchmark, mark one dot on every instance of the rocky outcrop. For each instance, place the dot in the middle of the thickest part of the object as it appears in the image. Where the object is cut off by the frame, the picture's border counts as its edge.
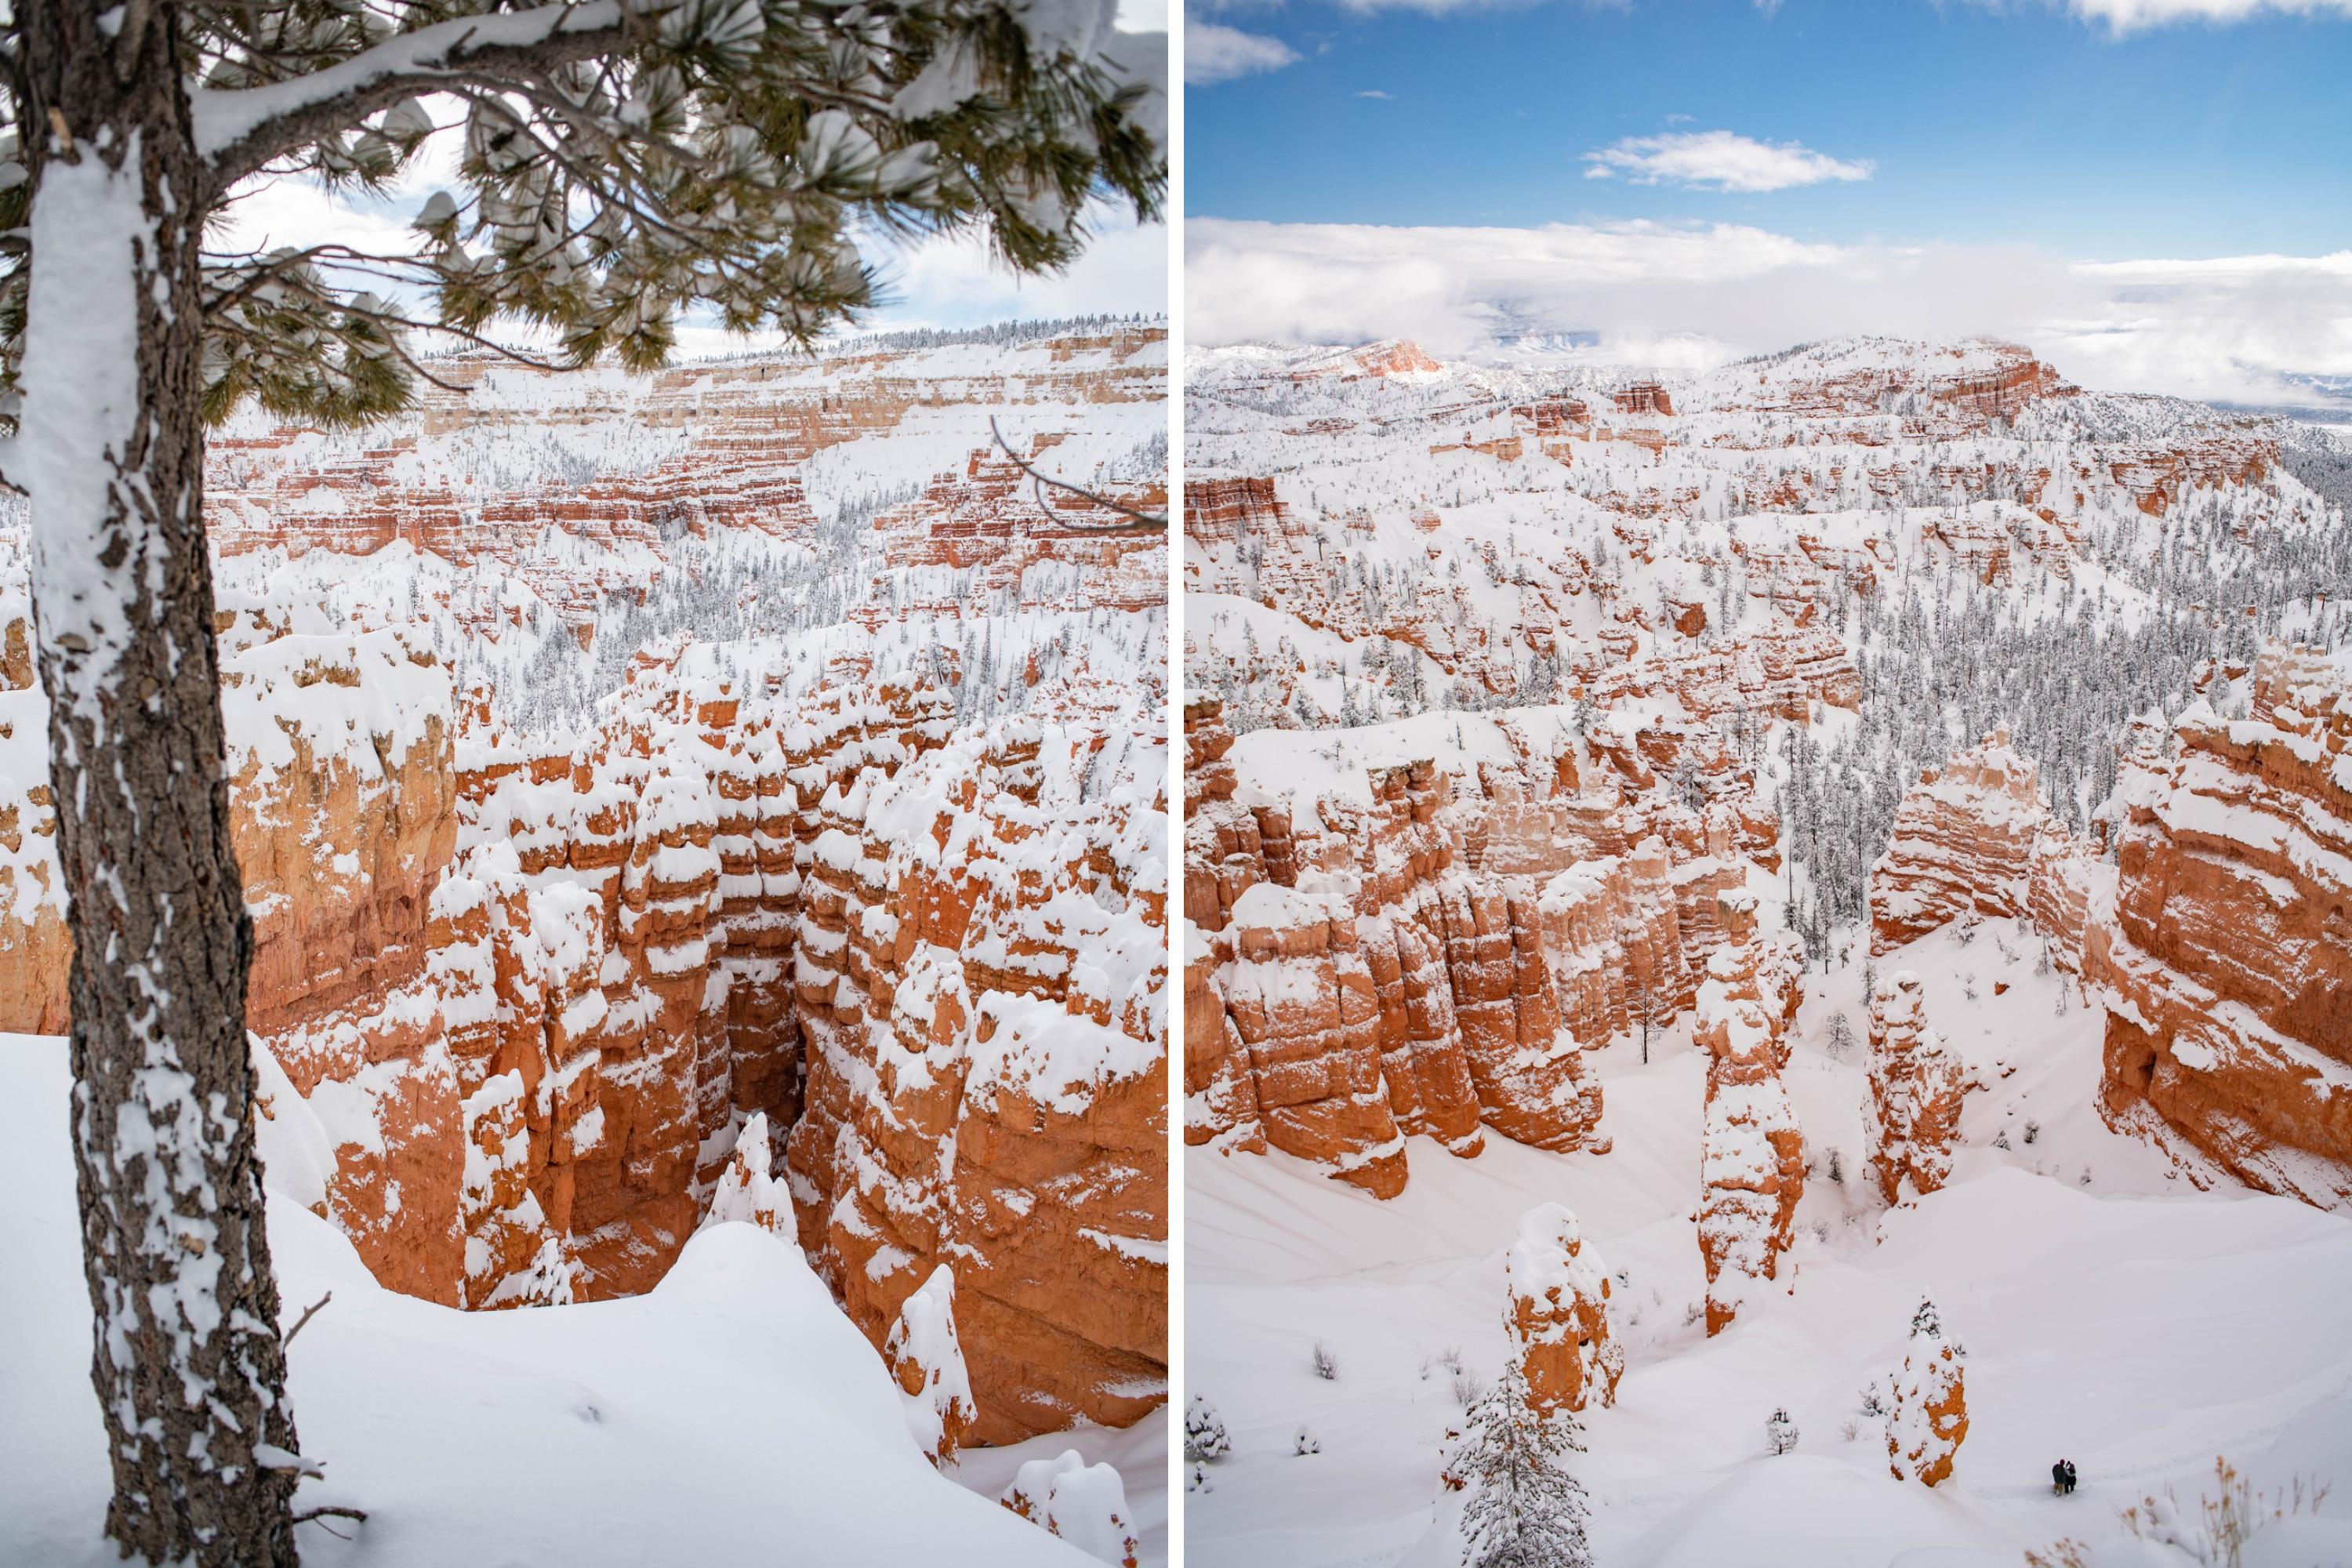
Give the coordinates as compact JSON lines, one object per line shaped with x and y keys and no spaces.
{"x":1556,"y":1310}
{"x":1643,"y":397}
{"x":1424,"y":952}
{"x":1084,"y":1504}
{"x":1229,"y":511}
{"x":2224,"y":952}
{"x":1751,"y":1151}
{"x":31,"y":898}
{"x":1963,"y":846}
{"x":1916,"y":1088}
{"x":1928,"y":1416}
{"x":981,"y":980}
{"x":926,"y":1359}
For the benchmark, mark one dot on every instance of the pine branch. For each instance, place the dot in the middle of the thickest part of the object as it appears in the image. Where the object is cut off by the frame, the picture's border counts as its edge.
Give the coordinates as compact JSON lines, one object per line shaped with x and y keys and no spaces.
{"x":241,"y":129}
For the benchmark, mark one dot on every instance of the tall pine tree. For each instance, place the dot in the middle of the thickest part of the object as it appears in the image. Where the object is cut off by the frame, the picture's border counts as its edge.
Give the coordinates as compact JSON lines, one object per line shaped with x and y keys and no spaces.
{"x":622,"y":161}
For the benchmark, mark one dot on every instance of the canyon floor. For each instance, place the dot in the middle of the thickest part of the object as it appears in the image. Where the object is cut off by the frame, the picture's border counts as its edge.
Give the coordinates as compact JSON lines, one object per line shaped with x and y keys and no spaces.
{"x":668,"y":1427}
{"x":2112,"y":1313}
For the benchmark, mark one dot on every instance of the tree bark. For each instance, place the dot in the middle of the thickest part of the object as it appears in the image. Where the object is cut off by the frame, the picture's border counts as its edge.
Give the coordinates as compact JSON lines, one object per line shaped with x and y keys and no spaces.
{"x":189,"y":1370}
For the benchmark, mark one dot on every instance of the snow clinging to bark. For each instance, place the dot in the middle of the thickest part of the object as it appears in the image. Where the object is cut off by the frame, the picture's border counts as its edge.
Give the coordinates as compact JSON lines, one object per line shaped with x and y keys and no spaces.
{"x":81,"y":377}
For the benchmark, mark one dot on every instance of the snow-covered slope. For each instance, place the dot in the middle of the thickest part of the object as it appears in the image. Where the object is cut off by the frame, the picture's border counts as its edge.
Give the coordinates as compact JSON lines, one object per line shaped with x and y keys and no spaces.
{"x":2111,"y":1313}
{"x":732,"y":1405}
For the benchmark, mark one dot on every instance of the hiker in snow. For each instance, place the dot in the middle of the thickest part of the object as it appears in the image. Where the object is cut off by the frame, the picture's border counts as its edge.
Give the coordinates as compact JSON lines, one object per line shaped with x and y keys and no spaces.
{"x":2061,"y":1478}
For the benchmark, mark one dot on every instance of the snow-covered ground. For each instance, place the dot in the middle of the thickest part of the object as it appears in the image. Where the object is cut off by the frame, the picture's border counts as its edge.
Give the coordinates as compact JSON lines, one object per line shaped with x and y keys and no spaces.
{"x":731,"y":1414}
{"x":2112,"y":1314}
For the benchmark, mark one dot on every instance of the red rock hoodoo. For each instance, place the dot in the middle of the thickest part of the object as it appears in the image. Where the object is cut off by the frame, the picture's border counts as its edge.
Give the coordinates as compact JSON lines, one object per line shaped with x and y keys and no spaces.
{"x":1556,"y":1311}
{"x":1398,"y":950}
{"x":1916,"y":1088}
{"x":1751,"y":1151}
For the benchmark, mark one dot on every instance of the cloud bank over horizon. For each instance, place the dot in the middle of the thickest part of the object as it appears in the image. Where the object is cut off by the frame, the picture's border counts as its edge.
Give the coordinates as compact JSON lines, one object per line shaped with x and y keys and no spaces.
{"x":1684,"y":296}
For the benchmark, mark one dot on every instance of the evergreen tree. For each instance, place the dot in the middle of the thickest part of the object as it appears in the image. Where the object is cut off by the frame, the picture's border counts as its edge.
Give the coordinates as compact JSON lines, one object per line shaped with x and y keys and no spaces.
{"x":1525,"y":1511}
{"x":623,"y":162}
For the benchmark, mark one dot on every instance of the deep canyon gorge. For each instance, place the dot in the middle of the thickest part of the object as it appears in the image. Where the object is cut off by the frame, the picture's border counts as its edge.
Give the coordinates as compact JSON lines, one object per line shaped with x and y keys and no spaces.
{"x":626,"y":769}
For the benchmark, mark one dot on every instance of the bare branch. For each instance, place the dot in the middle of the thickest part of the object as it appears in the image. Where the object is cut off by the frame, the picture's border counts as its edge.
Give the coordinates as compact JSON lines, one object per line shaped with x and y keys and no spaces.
{"x":316,"y":1515}
{"x":1145,"y":522}
{"x":308,"y":1312}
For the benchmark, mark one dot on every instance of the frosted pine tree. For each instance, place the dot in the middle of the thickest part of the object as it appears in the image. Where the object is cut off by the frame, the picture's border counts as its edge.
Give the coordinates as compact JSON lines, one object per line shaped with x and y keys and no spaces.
{"x":1928,"y":1417}
{"x":1525,"y":1509}
{"x":622,"y":160}
{"x":1204,"y":1430}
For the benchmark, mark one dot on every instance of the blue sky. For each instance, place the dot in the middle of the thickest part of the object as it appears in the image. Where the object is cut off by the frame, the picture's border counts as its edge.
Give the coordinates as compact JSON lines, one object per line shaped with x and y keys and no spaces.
{"x":2063,"y":130}
{"x":2026,"y":123}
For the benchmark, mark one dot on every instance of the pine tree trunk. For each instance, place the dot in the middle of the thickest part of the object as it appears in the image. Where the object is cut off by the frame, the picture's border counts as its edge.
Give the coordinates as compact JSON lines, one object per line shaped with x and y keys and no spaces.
{"x":189,"y":1370}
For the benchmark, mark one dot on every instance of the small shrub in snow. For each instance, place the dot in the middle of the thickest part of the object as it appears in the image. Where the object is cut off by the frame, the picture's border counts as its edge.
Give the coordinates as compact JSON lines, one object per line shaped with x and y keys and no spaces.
{"x":1840,"y":1037}
{"x":1837,"y":1166}
{"x":1848,"y":1429}
{"x":1305,"y":1443}
{"x":2214,"y":1532}
{"x":1204,"y":1431}
{"x":2033,"y":1131}
{"x":1526,"y":1511}
{"x":1873,"y":1400}
{"x":1779,"y":1432}
{"x":1197,"y":1479}
{"x":1326,"y":1364}
{"x":2001,"y":1140}
{"x":1467,"y":1387}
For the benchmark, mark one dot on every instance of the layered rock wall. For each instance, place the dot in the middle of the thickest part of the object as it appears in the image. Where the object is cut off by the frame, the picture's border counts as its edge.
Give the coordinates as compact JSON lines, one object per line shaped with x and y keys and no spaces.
{"x":1430,"y":953}
{"x":2223,"y":954}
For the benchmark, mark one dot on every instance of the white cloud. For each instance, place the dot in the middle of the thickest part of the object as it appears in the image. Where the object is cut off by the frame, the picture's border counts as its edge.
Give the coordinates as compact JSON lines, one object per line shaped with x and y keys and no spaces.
{"x":1375,"y":92}
{"x":2224,"y":330}
{"x":2135,"y":16}
{"x":1215,"y":53}
{"x":1720,"y":161}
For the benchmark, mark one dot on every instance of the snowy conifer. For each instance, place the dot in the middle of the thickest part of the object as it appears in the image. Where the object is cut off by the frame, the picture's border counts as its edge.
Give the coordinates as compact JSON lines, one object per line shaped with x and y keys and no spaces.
{"x":1525,"y":1509}
{"x":1204,"y":1431}
{"x":620,"y":162}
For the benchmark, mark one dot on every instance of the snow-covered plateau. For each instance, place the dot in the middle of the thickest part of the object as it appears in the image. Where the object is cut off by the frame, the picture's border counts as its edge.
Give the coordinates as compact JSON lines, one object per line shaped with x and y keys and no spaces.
{"x":1796,"y":916}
